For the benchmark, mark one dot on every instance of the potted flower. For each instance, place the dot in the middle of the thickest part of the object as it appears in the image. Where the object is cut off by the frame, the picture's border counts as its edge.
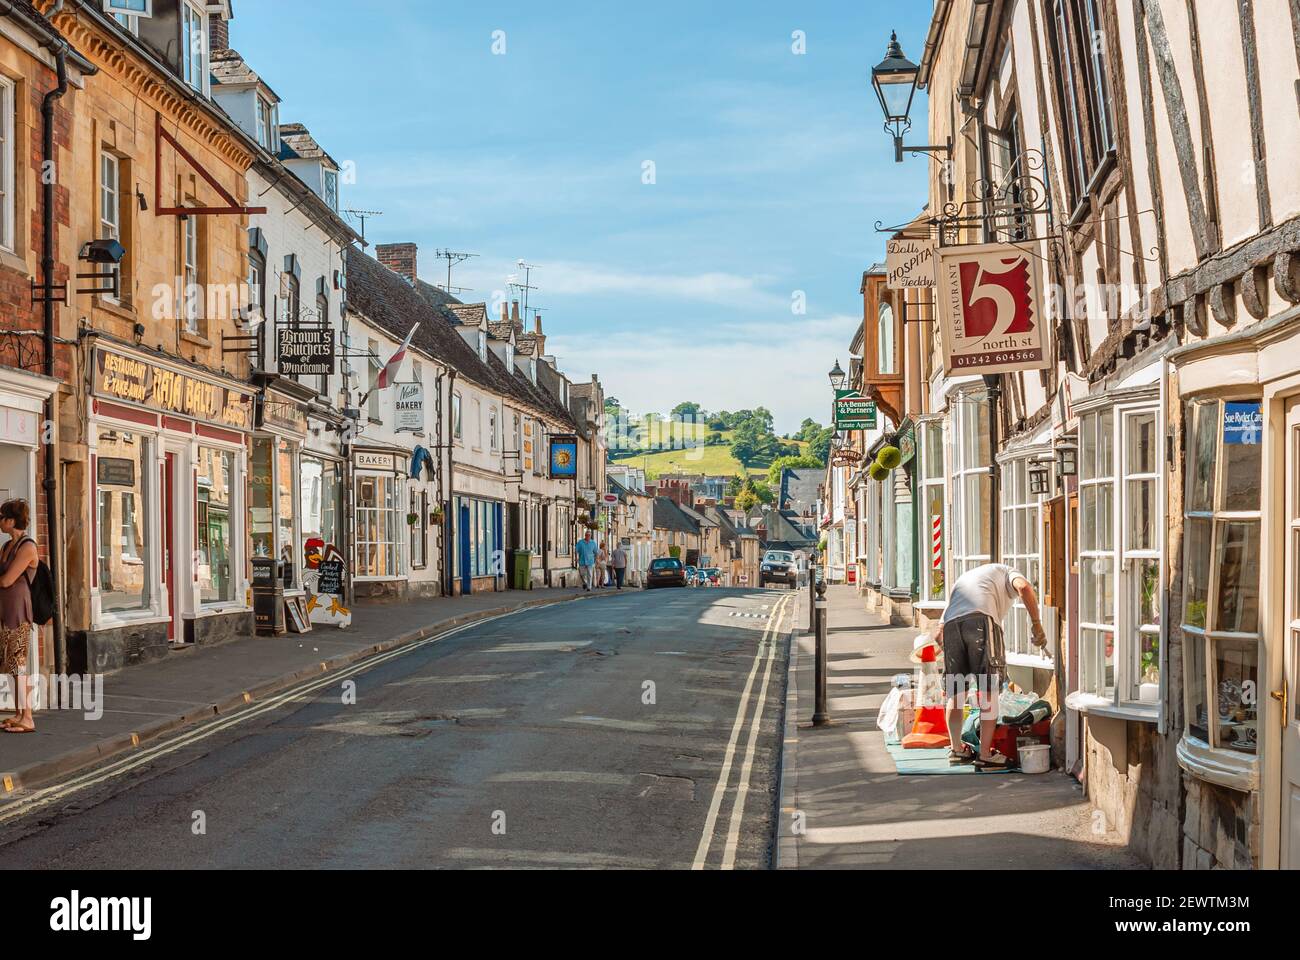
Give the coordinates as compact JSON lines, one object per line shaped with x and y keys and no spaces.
{"x":412,"y":519}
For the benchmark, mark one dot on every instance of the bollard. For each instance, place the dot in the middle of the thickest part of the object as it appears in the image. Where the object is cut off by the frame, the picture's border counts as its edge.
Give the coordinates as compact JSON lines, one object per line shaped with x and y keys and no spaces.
{"x":821,"y":716}
{"x":812,"y":597}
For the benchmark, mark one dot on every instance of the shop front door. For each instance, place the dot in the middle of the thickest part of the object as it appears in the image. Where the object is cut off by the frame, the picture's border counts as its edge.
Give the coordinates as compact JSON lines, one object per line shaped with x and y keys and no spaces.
{"x":1290,"y":692}
{"x":169,"y":542}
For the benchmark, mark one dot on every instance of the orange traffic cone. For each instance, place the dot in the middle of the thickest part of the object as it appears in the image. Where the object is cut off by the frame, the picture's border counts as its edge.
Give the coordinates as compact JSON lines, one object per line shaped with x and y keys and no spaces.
{"x":930,"y":731}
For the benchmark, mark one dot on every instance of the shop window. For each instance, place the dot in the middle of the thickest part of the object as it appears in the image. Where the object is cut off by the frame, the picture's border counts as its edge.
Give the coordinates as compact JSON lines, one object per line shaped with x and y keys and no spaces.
{"x":378,"y":526}
{"x":1020,"y":529}
{"x":933,"y":532}
{"x":321,"y":489}
{"x":973,"y":486}
{"x":215,"y":505}
{"x":1221,"y":579}
{"x":124,"y":499}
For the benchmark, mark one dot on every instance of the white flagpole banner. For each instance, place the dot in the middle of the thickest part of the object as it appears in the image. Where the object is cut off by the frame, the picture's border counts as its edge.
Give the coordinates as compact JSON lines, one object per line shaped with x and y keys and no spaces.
{"x":991,"y":311}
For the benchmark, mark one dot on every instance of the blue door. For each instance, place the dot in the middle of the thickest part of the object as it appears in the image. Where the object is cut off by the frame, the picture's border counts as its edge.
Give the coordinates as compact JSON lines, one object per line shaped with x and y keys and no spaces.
{"x":466,"y":583}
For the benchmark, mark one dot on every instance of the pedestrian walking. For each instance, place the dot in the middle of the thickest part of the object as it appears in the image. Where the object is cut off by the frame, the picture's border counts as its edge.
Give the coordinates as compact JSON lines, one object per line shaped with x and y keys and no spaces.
{"x":602,"y":567}
{"x":973,"y":650}
{"x":587,"y":561}
{"x":618,"y":563}
{"x":18,"y":561}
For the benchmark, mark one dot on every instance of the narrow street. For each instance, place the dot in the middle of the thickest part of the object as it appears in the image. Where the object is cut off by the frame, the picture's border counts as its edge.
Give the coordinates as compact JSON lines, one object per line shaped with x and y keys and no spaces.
{"x":579,"y":735}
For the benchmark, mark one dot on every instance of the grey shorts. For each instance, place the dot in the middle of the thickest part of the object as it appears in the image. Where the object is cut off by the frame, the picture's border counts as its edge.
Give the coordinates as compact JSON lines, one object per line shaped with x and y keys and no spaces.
{"x":973,"y":647}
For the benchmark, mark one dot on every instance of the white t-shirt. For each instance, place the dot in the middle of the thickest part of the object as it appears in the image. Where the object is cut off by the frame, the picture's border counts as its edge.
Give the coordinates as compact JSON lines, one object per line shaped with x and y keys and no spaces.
{"x":985,"y":590}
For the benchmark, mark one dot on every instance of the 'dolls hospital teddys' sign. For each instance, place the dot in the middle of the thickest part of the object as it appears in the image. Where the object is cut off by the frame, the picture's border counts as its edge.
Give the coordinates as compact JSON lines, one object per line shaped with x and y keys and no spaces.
{"x":157,"y":387}
{"x":909,"y":264}
{"x":991,"y":312}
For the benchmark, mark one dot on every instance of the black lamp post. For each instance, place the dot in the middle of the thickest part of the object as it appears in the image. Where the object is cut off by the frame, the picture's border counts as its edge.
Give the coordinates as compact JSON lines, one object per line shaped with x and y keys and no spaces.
{"x":838,"y":377}
{"x":894,"y":80}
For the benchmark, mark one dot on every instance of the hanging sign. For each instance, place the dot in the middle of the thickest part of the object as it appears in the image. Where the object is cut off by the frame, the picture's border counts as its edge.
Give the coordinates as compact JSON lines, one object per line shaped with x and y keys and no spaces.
{"x":409,"y":405}
{"x":282,"y":411}
{"x":910,"y":264}
{"x":564,"y":458}
{"x":853,"y":411}
{"x":991,"y":312}
{"x":306,"y":351}
{"x":1243,"y":423}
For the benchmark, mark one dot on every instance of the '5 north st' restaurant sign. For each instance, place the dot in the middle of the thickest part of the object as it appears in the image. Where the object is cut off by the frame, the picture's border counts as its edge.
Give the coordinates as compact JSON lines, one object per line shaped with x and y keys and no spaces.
{"x":151,"y":385}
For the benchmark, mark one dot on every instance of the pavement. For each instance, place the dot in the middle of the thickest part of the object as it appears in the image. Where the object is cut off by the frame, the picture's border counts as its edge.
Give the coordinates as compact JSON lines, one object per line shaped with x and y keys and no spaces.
{"x":640,"y":730}
{"x":843,"y":805}
{"x":144,"y":702}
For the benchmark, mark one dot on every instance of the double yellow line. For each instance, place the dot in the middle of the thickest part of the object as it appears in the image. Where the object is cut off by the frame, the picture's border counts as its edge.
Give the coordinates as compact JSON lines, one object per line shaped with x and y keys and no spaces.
{"x":767,"y":648}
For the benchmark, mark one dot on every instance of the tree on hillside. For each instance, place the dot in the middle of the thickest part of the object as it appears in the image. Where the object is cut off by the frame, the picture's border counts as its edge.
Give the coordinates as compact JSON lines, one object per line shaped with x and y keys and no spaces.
{"x":688,"y":409}
{"x":820,"y":444}
{"x":802,"y":461}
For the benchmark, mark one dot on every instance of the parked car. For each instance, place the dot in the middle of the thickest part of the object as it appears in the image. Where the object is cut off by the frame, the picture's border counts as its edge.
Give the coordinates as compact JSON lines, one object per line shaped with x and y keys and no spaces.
{"x":712,"y":576}
{"x":779,"y":566}
{"x":665,"y":572}
{"x":692,"y":575}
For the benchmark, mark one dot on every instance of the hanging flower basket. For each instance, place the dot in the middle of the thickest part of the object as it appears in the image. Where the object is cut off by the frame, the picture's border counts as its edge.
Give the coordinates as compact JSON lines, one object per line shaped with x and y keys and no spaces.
{"x":436,"y":517}
{"x":890,"y":458}
{"x":877,"y":472}
{"x":412,"y":518}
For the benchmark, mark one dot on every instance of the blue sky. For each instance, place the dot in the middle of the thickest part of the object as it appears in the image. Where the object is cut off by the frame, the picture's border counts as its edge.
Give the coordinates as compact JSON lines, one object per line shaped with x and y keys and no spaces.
{"x":770,"y":170}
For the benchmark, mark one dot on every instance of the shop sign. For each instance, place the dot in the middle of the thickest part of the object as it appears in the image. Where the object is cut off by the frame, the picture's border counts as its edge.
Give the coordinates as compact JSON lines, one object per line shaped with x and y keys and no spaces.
{"x":909,"y":264}
{"x":1243,"y":424}
{"x":278,"y":410}
{"x":991,"y":314}
{"x":410,"y":408}
{"x":324,"y":584}
{"x":564,"y":458}
{"x":170,"y":391}
{"x":376,"y":461}
{"x":306,"y":351}
{"x":115,"y":472}
{"x":853,"y":411}
{"x":610,"y":499}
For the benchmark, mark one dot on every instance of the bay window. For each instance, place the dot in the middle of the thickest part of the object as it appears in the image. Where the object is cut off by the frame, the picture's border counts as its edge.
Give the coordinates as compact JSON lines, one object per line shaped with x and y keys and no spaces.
{"x":972,"y":504}
{"x":1221,"y":581}
{"x":1121,"y":533}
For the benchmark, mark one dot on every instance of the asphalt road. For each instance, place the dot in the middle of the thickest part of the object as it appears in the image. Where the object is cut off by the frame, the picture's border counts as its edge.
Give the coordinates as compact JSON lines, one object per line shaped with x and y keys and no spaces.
{"x":614,"y":732}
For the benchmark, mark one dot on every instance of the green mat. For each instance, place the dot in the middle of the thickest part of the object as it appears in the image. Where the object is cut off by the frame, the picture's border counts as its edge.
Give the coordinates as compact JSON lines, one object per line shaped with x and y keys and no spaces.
{"x":927,"y":763}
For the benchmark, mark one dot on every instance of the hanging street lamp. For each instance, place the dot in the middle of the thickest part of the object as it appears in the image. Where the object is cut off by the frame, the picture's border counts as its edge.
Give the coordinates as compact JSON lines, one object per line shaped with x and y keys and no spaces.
{"x":895,"y":79}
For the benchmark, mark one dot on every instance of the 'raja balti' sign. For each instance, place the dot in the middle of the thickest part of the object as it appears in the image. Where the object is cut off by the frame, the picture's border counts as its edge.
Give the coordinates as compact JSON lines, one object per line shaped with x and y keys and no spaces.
{"x":990,"y":309}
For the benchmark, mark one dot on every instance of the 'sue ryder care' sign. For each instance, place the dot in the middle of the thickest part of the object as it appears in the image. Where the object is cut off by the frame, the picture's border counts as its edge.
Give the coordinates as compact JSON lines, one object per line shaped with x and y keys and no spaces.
{"x":991,"y":312}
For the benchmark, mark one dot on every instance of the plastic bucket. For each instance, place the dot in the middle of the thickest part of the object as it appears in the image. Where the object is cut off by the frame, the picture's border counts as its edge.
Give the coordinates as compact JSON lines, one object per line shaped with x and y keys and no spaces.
{"x":1035,"y":758}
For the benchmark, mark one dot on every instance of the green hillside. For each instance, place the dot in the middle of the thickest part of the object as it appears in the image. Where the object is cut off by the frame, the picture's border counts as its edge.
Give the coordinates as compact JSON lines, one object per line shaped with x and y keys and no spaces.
{"x":712,"y":460}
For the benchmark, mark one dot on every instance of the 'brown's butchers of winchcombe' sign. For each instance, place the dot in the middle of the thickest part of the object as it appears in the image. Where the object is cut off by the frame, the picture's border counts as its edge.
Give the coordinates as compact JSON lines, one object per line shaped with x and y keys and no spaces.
{"x":160,"y":388}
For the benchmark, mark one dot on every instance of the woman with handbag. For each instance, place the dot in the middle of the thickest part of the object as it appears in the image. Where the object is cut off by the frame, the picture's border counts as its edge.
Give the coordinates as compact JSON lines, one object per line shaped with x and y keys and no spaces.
{"x":18,"y":562}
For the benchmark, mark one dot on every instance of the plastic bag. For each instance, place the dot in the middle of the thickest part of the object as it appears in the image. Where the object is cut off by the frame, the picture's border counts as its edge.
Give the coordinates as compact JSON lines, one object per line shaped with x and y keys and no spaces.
{"x":887,"y":718}
{"x":1014,"y":704}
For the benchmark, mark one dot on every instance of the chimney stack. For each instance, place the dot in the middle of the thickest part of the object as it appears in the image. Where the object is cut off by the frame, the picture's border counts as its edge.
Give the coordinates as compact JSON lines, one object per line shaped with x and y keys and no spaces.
{"x":399,"y":258}
{"x":537,"y":324}
{"x":505,"y":313}
{"x":218,"y":33}
{"x":514,"y":312}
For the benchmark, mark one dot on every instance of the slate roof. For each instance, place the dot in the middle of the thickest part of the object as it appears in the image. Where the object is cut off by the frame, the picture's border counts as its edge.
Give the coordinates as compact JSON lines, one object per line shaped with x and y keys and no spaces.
{"x":799,"y":490}
{"x":668,"y":516}
{"x":500,"y":330}
{"x":296,"y":143}
{"x":699,"y":519}
{"x":230,"y":68}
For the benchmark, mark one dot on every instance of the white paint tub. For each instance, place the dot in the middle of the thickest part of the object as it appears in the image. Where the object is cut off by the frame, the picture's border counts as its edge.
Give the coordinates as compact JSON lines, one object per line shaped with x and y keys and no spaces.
{"x":1035,"y":758}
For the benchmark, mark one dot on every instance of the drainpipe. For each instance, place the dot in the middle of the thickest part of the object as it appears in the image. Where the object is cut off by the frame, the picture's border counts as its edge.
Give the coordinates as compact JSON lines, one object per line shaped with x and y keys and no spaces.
{"x":47,"y":270}
{"x":994,"y":387}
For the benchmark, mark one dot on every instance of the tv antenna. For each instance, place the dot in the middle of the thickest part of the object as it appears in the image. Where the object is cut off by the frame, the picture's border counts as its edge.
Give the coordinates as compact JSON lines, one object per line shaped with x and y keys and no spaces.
{"x":361,"y":216}
{"x":453,"y":257}
{"x":527,"y":286}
